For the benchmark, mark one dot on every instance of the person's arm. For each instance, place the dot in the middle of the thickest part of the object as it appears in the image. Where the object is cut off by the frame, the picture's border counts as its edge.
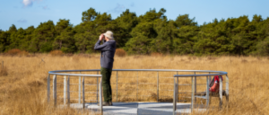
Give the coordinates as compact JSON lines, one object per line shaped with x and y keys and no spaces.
{"x":97,"y":44}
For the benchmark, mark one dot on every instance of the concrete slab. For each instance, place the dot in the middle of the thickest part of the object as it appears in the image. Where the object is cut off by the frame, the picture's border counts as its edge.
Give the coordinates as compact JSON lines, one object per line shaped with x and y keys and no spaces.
{"x":162,"y":108}
{"x":139,"y":108}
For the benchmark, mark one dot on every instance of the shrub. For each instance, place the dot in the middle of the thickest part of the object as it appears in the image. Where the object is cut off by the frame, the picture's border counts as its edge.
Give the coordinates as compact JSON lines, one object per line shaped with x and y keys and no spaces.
{"x":156,"y":54}
{"x":56,"y":53}
{"x":23,"y":53}
{"x":120,"y":52}
{"x":14,"y":52}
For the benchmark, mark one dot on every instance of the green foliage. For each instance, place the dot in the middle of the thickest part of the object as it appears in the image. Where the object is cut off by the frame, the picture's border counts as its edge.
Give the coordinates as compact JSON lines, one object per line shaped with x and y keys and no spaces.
{"x":145,"y":34}
{"x":125,"y":23}
{"x":263,"y":47}
{"x":12,"y":28}
{"x":153,"y":15}
{"x":4,"y":40}
{"x":162,"y":43}
{"x":43,"y":37}
{"x":142,"y":36}
{"x":89,"y":15}
{"x":183,"y":20}
{"x":64,"y":39}
{"x":85,"y":42}
{"x":127,"y":20}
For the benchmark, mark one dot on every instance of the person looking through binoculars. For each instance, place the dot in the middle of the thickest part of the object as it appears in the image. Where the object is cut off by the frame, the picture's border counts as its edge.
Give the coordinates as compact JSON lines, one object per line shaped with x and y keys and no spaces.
{"x":107,"y":49}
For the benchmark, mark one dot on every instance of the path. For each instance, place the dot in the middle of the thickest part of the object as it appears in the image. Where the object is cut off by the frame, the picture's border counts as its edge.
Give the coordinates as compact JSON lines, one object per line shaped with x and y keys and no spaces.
{"x":139,"y":108}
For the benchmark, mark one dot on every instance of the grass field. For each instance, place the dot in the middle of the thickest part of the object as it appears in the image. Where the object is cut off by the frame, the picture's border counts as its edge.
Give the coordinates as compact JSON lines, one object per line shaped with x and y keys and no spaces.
{"x":23,"y":80}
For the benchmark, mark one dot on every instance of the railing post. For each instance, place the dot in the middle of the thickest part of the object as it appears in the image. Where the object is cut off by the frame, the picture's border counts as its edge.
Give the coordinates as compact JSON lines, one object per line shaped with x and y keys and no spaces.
{"x":65,"y":90}
{"x":100,"y":96}
{"x":68,"y":90}
{"x":83,"y":86}
{"x":227,"y":91}
{"x":210,"y":79}
{"x":192,"y":94}
{"x":195,"y":86}
{"x":137,"y":88}
{"x":207,"y":91}
{"x":48,"y":88}
{"x":174,"y":97}
{"x":55,"y":90}
{"x":157,"y":86}
{"x":227,"y":87}
{"x":79,"y":90}
{"x":195,"y":79}
{"x":220,"y":91}
{"x":97,"y":87}
{"x":177,"y":88}
{"x":117,"y":87}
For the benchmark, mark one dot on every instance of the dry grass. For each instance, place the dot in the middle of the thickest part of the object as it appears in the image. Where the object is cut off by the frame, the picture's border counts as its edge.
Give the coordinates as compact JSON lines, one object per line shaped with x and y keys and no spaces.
{"x":23,"y":90}
{"x":3,"y":71}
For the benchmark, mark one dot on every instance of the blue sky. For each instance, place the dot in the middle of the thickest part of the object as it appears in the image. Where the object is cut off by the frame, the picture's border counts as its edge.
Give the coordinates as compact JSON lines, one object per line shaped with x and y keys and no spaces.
{"x":25,"y":13}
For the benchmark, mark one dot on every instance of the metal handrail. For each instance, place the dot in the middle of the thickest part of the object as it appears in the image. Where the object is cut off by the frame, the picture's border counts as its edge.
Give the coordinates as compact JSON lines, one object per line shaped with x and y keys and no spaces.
{"x":160,"y":70}
{"x":67,"y":88}
{"x":194,"y":76}
{"x":197,"y":73}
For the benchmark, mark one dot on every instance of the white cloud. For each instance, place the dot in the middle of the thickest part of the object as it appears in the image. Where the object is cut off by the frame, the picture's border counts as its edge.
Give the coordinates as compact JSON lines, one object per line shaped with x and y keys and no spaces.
{"x":27,"y":2}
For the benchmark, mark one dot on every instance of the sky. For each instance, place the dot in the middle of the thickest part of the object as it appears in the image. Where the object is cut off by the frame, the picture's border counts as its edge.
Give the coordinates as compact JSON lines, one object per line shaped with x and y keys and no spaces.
{"x":25,"y":13}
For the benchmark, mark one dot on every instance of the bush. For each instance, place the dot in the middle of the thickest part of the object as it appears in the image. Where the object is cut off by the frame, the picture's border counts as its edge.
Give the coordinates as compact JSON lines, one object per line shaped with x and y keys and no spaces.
{"x":56,"y":53}
{"x":14,"y":52}
{"x":120,"y":52}
{"x":23,"y":53}
{"x":156,"y":54}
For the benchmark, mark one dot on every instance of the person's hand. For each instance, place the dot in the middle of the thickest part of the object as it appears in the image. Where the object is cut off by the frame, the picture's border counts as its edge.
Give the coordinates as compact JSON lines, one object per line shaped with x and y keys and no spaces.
{"x":101,"y":37}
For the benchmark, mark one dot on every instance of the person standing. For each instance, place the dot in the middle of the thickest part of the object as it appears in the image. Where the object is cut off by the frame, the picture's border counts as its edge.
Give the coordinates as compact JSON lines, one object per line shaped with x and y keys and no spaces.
{"x":107,"y":49}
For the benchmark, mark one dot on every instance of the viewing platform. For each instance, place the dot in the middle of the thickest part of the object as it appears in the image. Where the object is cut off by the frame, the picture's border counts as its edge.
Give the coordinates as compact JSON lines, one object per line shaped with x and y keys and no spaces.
{"x":137,"y":91}
{"x":139,"y":108}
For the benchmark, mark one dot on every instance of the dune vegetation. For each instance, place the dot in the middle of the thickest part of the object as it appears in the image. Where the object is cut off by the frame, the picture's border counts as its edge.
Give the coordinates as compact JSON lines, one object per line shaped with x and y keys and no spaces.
{"x":23,"y":80}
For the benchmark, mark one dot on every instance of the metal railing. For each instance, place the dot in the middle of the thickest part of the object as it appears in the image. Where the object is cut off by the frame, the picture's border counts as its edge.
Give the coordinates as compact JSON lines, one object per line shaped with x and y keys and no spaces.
{"x":176,"y":75}
{"x":193,"y":85}
{"x":67,"y":84}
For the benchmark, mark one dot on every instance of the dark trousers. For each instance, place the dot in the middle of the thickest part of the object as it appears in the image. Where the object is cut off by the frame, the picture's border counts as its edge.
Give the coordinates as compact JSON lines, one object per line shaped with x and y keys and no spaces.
{"x":107,"y":91}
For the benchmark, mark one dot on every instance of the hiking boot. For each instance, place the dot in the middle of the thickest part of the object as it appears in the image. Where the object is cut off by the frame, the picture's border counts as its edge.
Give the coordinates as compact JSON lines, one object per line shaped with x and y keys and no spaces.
{"x":110,"y":103}
{"x":106,"y":104}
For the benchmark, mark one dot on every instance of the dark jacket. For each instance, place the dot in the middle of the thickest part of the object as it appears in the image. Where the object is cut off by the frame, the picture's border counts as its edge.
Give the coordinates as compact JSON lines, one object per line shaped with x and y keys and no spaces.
{"x":107,"y":53}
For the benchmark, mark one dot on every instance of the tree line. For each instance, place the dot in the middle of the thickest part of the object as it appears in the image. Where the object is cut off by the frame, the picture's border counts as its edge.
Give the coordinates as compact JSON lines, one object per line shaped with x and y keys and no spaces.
{"x":144,"y":34}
